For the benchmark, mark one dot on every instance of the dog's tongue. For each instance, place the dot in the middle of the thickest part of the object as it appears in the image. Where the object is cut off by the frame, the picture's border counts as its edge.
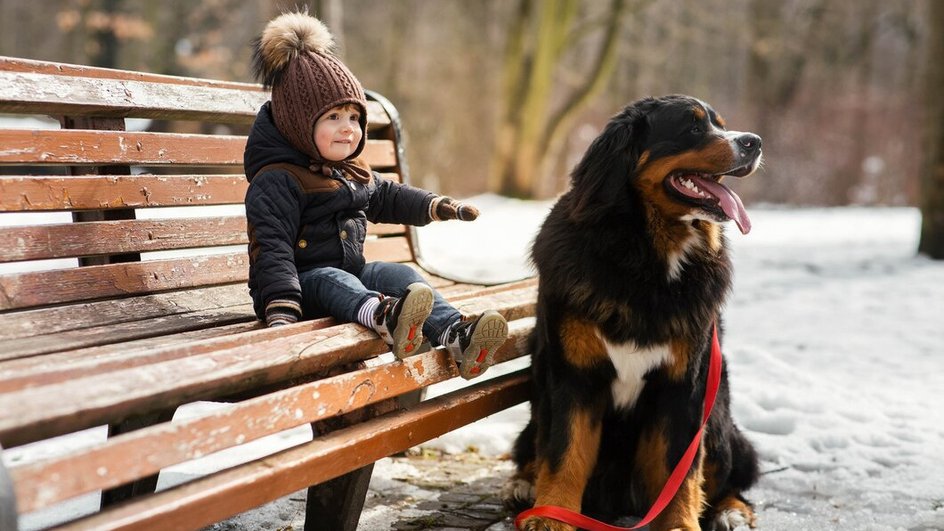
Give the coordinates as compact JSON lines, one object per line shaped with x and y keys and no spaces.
{"x":729,"y":202}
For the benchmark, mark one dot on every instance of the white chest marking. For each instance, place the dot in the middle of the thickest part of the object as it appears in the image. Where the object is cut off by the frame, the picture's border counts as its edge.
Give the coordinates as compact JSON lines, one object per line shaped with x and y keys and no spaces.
{"x":631,"y":364}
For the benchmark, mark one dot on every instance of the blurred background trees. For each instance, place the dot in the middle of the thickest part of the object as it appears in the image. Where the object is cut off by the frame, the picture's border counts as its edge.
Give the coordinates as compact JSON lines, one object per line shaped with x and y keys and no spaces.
{"x":504,"y":96}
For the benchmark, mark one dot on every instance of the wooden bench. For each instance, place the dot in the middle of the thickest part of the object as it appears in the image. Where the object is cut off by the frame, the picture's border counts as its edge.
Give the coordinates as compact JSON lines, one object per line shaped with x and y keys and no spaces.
{"x":125,"y":310}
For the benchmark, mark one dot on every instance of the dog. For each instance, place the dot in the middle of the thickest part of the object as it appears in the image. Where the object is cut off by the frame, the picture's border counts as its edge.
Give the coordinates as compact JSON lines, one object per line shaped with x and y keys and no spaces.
{"x":633,"y":272}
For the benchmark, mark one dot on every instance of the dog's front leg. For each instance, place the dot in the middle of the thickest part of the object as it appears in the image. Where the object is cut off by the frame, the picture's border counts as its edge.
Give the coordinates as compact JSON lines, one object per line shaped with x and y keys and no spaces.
{"x":566,"y":464}
{"x":568,"y":438}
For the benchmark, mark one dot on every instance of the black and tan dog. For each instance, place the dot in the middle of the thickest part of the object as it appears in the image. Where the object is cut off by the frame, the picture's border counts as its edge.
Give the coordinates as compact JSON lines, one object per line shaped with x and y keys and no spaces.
{"x":633,"y":274}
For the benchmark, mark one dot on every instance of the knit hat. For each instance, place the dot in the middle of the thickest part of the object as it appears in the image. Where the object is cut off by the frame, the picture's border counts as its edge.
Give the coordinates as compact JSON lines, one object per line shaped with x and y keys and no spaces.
{"x":295,"y":57}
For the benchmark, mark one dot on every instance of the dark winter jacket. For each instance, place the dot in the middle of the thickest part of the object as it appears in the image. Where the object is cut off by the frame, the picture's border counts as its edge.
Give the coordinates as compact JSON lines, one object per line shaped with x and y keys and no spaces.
{"x":299,"y":220}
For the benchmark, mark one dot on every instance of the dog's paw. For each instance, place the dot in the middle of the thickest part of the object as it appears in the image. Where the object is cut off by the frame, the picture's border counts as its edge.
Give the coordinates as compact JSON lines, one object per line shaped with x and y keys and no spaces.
{"x":517,"y":494}
{"x":544,"y":524}
{"x":733,"y":520}
{"x":733,"y":513}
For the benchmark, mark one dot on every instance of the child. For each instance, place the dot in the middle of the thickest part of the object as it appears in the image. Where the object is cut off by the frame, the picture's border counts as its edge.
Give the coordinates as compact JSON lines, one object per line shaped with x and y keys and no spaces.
{"x":309,"y":200}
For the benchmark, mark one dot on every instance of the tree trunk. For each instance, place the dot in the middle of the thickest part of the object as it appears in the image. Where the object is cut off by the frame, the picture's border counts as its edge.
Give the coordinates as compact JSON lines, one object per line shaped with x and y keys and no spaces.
{"x":527,"y":131}
{"x":932,"y":178}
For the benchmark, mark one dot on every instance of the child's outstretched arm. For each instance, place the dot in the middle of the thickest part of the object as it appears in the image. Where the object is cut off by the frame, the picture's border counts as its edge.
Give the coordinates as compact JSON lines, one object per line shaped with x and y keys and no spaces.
{"x":272,"y":214}
{"x":392,"y":202}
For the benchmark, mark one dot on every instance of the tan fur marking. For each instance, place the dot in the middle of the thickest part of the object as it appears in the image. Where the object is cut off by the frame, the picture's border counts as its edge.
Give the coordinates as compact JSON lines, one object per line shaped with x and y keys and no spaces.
{"x":720,"y":120}
{"x":642,"y":159}
{"x":699,"y":113}
{"x":681,"y":353}
{"x":564,"y":487}
{"x":712,"y":235}
{"x":685,"y":508}
{"x":582,"y":346}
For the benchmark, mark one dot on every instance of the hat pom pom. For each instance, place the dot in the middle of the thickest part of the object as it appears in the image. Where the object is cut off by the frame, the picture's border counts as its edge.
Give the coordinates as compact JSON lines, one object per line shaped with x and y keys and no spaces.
{"x":285,"y":38}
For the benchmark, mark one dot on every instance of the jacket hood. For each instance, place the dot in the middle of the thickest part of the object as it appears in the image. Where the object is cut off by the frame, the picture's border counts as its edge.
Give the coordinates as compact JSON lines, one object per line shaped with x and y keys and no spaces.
{"x":266,"y":145}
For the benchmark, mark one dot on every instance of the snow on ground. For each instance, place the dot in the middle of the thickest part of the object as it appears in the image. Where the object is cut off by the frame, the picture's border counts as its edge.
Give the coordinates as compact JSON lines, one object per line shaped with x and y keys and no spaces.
{"x":834,"y":340}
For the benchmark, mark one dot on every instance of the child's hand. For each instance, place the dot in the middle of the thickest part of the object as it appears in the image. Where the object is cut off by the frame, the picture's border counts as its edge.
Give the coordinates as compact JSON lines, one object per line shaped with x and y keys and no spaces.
{"x":448,"y":208}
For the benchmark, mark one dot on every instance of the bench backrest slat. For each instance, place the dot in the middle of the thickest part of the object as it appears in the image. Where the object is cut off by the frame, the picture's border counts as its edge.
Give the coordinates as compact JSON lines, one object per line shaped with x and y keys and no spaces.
{"x":55,"y":326}
{"x":35,"y":193}
{"x":104,"y":148}
{"x":58,"y":89}
{"x":24,"y":290}
{"x":95,"y":238}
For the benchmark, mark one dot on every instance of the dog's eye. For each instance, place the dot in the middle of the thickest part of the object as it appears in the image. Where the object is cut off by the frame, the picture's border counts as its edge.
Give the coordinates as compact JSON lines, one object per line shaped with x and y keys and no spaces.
{"x":697,"y":129}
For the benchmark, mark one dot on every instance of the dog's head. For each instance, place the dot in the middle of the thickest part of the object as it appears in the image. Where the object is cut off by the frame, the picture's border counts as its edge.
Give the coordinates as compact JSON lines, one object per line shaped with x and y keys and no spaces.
{"x":674,"y":151}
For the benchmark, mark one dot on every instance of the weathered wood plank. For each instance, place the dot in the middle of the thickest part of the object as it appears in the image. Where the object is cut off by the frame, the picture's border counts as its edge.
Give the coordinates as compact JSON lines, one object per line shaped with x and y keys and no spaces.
{"x":23,"y":290}
{"x":31,"y":323}
{"x":257,"y":358}
{"x":101,"y":148}
{"x":35,"y":413}
{"x":117,"y":461}
{"x":226,"y":493}
{"x":25,"y":193}
{"x":114,"y":237}
{"x":68,"y":354}
{"x":58,"y":89}
{"x":43,"y":346}
{"x":28,"y":92}
{"x":389,"y":249}
{"x":16,"y":374}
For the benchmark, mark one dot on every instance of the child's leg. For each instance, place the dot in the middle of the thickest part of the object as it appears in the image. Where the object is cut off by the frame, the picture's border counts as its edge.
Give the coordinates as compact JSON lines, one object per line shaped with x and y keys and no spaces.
{"x":401,"y":318}
{"x":392,"y":279}
{"x":328,"y":291}
{"x":471,"y":343}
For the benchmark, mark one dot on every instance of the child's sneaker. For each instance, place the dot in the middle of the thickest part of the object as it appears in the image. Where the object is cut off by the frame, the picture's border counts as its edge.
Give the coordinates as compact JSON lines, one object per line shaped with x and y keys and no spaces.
{"x":400,"y":321}
{"x":473,"y":343}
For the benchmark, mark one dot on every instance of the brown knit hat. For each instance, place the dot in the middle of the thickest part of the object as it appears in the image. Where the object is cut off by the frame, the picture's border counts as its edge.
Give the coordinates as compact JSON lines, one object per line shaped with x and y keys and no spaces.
{"x":294,"y":56}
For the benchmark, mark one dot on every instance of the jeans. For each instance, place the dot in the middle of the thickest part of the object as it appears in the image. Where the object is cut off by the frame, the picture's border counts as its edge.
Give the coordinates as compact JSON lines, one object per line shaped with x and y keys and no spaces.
{"x":328,"y":291}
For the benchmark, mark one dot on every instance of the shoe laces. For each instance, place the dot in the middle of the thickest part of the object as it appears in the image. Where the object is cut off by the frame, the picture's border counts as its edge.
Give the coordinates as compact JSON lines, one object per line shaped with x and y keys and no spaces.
{"x":461,"y":331}
{"x":386,"y":311}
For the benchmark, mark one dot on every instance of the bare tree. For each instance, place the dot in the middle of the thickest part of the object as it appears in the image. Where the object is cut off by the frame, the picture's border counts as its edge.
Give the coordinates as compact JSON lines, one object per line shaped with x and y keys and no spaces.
{"x":539,"y":35}
{"x":932,"y":178}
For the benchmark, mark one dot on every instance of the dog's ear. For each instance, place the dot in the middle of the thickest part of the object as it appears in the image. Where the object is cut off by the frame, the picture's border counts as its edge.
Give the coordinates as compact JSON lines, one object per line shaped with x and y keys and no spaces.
{"x":600,"y":179}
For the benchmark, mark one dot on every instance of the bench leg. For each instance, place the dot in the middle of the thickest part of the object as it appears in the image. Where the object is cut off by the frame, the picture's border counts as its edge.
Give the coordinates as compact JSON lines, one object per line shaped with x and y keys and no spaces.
{"x":8,"y":516}
{"x":144,"y":485}
{"x":337,"y":504}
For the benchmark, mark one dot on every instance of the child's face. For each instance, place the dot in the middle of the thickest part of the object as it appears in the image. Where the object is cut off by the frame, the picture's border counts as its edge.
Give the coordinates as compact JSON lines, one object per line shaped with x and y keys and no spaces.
{"x":338,"y":132}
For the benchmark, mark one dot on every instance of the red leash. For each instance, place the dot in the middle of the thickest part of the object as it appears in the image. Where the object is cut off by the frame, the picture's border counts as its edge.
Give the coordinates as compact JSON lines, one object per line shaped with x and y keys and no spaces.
{"x":675,"y":479}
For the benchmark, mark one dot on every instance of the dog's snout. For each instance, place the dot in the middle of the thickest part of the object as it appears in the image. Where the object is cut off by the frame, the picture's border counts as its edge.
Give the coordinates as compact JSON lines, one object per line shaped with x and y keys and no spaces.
{"x":749,"y":141}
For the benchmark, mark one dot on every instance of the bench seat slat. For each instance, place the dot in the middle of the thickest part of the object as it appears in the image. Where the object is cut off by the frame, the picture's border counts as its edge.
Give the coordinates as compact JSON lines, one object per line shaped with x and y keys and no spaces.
{"x":120,"y":353}
{"x":107,"y":397}
{"x":79,"y":147}
{"x":223,"y":494}
{"x":169,"y":444}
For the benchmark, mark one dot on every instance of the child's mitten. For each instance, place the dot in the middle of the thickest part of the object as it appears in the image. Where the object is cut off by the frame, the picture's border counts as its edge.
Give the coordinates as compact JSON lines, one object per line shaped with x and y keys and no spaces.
{"x":445,"y":207}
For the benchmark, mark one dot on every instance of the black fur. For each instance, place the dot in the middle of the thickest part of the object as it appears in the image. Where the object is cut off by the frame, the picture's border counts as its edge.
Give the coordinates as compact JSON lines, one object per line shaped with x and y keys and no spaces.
{"x":599,"y":260}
